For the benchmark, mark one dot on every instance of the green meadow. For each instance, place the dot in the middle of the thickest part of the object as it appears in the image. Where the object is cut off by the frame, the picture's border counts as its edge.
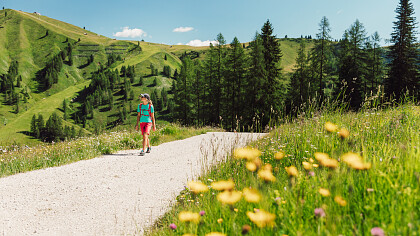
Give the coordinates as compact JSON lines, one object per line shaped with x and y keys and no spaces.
{"x":287,"y":188}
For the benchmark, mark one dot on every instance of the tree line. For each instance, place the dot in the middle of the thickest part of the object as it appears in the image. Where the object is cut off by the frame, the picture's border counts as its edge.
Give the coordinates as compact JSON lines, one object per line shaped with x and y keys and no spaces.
{"x":232,"y":87}
{"x":244,"y":89}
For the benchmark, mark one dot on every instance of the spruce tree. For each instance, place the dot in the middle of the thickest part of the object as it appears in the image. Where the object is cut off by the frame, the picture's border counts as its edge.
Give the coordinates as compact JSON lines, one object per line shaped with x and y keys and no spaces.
{"x":65,"y":110}
{"x":234,"y":84}
{"x":220,"y":72}
{"x":404,"y":55}
{"x":255,"y":83}
{"x":182,"y":95}
{"x":352,"y":68}
{"x":319,"y":57}
{"x":209,"y":83}
{"x":141,"y":82}
{"x":375,"y":68}
{"x":34,"y":128}
{"x":274,"y":95}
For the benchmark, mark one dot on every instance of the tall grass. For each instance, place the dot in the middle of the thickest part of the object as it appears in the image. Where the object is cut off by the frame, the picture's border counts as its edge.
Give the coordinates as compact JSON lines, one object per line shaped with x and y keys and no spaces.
{"x":23,"y":159}
{"x":384,"y":197}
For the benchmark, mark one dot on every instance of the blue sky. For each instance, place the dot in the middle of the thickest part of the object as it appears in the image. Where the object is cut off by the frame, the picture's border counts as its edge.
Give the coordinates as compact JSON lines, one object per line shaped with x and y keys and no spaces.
{"x":197,"y":22}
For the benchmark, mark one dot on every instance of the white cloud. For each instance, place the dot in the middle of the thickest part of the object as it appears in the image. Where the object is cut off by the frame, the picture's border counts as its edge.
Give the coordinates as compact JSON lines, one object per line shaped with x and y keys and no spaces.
{"x":130,"y":33}
{"x":199,"y":43}
{"x":339,"y":12}
{"x":182,"y":29}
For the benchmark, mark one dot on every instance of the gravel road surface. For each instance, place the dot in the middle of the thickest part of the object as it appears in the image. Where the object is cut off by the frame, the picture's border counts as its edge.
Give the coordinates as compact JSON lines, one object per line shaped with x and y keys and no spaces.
{"x":118,"y":194}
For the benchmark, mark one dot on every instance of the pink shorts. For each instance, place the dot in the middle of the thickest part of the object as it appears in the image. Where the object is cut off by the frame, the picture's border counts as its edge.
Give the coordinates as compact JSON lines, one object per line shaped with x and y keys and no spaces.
{"x":145,"y":127}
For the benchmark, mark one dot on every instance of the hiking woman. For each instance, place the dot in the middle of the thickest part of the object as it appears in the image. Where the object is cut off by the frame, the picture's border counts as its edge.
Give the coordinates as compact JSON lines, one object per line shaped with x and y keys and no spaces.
{"x":146,"y":116}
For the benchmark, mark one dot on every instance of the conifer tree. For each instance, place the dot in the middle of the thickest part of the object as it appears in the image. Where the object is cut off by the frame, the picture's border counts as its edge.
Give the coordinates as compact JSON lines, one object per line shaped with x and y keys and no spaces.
{"x":65,"y":110}
{"x":141,"y":82}
{"x":375,"y":68}
{"x":352,"y":63}
{"x":274,"y":95}
{"x":182,"y":98}
{"x":234,"y":84}
{"x":220,"y":53}
{"x":404,"y":56}
{"x":34,"y":128}
{"x":209,"y":74}
{"x":256,"y":79}
{"x":73,"y":132}
{"x":319,"y":58}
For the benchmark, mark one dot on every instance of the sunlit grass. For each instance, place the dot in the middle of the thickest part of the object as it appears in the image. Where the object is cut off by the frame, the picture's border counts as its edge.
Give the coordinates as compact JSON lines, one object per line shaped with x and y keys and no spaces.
{"x":56,"y":154}
{"x":358,"y":183}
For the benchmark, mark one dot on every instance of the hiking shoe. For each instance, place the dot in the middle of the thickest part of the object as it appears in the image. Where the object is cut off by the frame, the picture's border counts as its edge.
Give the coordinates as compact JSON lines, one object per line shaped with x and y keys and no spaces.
{"x":141,"y":153}
{"x":148,"y":149}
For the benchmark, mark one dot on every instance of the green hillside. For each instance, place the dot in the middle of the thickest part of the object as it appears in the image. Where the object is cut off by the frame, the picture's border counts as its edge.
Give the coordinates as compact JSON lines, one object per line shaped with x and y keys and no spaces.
{"x":33,"y":40}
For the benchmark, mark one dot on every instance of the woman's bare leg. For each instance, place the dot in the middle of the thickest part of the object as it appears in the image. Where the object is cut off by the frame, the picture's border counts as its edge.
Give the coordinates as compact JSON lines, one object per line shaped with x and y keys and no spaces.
{"x":145,"y":141}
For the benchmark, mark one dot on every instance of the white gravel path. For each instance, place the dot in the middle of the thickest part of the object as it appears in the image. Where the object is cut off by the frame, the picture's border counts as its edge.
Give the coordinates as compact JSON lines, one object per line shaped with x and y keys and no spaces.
{"x":119,"y":194}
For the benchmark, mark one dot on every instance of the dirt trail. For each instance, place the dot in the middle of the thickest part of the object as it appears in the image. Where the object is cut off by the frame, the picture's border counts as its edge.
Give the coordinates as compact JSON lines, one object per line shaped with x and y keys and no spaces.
{"x":119,"y":194}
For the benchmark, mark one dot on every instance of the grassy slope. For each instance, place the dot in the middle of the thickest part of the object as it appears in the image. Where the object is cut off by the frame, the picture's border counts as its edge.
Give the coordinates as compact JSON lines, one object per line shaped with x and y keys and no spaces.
{"x":22,"y":38}
{"x":14,"y":131}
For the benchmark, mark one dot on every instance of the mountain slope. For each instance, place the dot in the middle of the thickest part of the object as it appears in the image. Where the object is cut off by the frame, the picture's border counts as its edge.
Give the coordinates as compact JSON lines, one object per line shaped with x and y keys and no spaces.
{"x":34,"y":40}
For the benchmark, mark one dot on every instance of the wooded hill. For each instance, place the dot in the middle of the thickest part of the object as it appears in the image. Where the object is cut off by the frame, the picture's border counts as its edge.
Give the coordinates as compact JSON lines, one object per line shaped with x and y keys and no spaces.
{"x":46,"y":63}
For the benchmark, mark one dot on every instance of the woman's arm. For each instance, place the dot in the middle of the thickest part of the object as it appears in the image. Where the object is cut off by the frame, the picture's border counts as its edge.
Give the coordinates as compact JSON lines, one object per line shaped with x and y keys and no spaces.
{"x":138,"y":119}
{"x":153,"y":121}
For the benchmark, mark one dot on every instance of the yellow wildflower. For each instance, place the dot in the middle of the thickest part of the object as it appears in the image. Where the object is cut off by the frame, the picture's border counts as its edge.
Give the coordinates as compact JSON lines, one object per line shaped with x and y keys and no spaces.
{"x":220,"y":220}
{"x":189,"y":235}
{"x":246,"y":153}
{"x":330,"y":127}
{"x":325,"y":160}
{"x":331,"y":163}
{"x":223,"y":185}
{"x":197,"y":187}
{"x":251,"y":166}
{"x":340,"y":201}
{"x":315,"y":165}
{"x":235,"y":209}
{"x":188,"y":216}
{"x":279,"y":155}
{"x":229,"y":197}
{"x":292,"y":171}
{"x":324,"y":192}
{"x":311,"y":160}
{"x":262,"y":218}
{"x":320,"y":156}
{"x":355,"y":161}
{"x":266,"y":175}
{"x":215,"y":234}
{"x":268,"y":167}
{"x":306,"y":165}
{"x":343,"y":133}
{"x":251,"y":195}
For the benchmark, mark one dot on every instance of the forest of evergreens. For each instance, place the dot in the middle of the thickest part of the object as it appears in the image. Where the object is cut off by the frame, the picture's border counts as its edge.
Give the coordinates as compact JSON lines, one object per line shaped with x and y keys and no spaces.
{"x":244,"y":89}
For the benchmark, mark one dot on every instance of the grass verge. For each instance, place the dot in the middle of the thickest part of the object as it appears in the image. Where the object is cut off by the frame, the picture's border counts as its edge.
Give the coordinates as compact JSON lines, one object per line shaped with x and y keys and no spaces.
{"x":377,"y":194}
{"x":56,"y":154}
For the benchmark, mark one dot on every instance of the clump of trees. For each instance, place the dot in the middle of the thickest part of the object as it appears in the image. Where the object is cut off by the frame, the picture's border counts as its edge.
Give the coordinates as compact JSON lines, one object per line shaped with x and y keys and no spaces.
{"x":167,"y":71}
{"x":48,"y":76}
{"x":230,"y":87}
{"x":112,"y":58}
{"x":53,"y":129}
{"x":12,"y":87}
